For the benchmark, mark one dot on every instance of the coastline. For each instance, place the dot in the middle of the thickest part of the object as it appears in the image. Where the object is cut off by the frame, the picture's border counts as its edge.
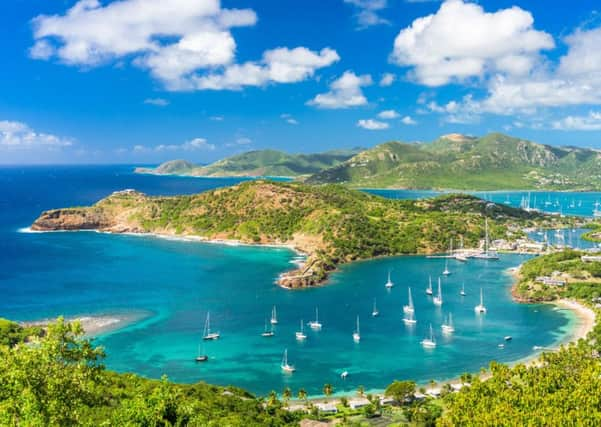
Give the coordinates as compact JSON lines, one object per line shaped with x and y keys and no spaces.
{"x":94,"y":325}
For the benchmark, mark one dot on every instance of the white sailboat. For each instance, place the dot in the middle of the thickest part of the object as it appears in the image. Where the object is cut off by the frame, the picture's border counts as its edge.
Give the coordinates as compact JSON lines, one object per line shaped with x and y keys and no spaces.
{"x":409,"y":307}
{"x":274,"y":316}
{"x":201,"y":357}
{"x":314,"y":324}
{"x":447,"y":326}
{"x":429,"y":288}
{"x":285,"y":366}
{"x":429,"y":342}
{"x":268,"y":332}
{"x":437,"y":300}
{"x":487,"y":254}
{"x":389,"y":283}
{"x":409,"y":319}
{"x":357,"y":333}
{"x":446,"y":271}
{"x":207,"y":334}
{"x":480,"y":308}
{"x":375,"y":312}
{"x":462,"y":292}
{"x":300,"y":335}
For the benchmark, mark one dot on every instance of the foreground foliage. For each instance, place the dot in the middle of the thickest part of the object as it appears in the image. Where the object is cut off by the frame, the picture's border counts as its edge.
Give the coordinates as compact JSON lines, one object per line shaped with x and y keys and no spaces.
{"x":60,"y":381}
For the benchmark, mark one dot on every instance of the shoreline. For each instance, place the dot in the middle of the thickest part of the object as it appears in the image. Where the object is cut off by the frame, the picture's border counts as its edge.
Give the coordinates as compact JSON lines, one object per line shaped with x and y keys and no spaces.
{"x":95,"y":324}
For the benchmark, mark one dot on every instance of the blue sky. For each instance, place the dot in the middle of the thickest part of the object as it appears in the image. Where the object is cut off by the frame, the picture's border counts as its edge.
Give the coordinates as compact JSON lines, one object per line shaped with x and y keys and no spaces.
{"x":143,"y":81}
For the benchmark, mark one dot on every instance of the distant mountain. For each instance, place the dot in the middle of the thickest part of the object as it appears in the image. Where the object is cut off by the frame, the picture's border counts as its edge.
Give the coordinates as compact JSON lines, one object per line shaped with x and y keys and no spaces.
{"x":491,"y":162}
{"x":257,"y":163}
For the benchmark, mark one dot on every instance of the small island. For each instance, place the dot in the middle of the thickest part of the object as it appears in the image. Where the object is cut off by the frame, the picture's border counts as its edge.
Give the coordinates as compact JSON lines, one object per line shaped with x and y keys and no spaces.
{"x":331,"y":224}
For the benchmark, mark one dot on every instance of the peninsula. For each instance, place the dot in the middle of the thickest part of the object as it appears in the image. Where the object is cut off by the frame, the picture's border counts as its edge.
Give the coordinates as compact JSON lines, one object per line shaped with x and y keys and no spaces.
{"x":331,"y":224}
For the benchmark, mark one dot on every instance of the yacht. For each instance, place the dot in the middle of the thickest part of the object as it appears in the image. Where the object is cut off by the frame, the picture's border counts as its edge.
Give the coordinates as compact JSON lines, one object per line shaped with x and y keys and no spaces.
{"x":268,"y":332}
{"x":357,"y":333}
{"x":480,"y":308}
{"x":447,"y":327}
{"x":389,"y":283}
{"x":202,"y":357}
{"x":300,"y":335}
{"x":409,"y":319}
{"x":314,"y":324}
{"x":375,"y":312}
{"x":446,"y":271}
{"x":429,"y":342}
{"x":285,"y":366}
{"x":274,"y":316}
{"x":207,"y":334}
{"x":437,"y":300}
{"x":487,"y":254}
{"x":429,"y":288}
{"x":409,"y":307}
{"x":462,"y":291}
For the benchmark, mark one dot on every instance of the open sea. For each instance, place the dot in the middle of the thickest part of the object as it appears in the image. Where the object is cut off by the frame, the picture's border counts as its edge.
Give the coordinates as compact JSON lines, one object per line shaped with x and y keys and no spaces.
{"x":168,"y":286}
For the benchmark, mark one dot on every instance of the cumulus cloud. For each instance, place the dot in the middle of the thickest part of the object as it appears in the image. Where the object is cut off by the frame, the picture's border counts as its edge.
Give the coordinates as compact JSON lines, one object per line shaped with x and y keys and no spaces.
{"x":17,"y":135}
{"x":388,"y":114}
{"x":408,"y":120}
{"x":371,"y":124}
{"x":281,"y":65}
{"x":461,"y":40}
{"x":589,"y":122}
{"x":158,"y":102}
{"x":368,"y":12}
{"x":345,"y":92}
{"x":387,"y":79}
{"x":186,"y":44}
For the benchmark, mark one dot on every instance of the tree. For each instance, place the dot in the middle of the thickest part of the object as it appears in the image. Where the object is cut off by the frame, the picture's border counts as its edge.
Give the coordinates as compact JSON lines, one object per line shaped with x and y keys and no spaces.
{"x":287,"y":395}
{"x":272,"y":399}
{"x":401,"y":391}
{"x":361,"y":390}
{"x":302,"y":394}
{"x":50,"y":383}
{"x":328,"y":389}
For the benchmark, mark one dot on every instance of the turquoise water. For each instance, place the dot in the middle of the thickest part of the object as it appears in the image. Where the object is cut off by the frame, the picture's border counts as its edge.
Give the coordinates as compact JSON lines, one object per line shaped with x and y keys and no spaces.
{"x":172,"y":285}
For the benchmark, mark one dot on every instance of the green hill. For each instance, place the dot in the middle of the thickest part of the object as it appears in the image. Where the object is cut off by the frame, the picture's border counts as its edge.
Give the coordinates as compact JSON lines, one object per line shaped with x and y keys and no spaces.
{"x":257,"y":163}
{"x":331,"y":224}
{"x":491,"y":162}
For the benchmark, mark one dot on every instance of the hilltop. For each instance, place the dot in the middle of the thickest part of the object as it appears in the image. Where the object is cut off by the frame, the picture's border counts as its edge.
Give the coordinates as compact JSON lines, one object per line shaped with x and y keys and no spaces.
{"x":491,"y":162}
{"x":256,"y":163}
{"x":331,"y":224}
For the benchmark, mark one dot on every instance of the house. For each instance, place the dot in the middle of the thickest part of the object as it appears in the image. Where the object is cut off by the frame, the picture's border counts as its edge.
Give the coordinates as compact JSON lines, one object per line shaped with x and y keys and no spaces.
{"x":550,"y":281}
{"x":358,"y":403}
{"x":327,"y":408}
{"x":590,"y":258}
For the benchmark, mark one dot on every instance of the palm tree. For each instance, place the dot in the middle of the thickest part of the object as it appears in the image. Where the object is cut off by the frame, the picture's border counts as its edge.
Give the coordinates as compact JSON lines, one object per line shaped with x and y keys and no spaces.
{"x":287,"y":395}
{"x":361,"y":390}
{"x":302,"y":394}
{"x":328,"y":389}
{"x":272,"y":399}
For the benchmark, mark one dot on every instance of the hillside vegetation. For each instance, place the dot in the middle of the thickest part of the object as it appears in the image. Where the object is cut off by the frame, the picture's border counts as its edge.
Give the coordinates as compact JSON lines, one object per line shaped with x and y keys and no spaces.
{"x":332,"y":224}
{"x":256,"y":163}
{"x":491,"y":162}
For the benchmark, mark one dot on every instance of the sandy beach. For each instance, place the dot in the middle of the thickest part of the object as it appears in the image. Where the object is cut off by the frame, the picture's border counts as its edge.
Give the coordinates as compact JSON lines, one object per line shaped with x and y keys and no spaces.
{"x":95,"y":325}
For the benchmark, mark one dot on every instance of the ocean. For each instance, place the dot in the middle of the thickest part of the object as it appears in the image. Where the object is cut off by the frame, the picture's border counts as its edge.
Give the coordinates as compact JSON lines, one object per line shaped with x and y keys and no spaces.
{"x":168,"y":286}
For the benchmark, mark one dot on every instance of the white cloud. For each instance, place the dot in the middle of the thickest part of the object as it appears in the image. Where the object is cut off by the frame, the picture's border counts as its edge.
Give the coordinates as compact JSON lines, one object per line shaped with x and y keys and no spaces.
{"x":407,"y":120}
{"x":461,"y":40}
{"x":388,"y":115}
{"x":243,"y":140}
{"x":217,"y":118}
{"x":281,"y":65}
{"x":371,"y":124}
{"x":345,"y":92}
{"x":367,"y":12}
{"x":289,"y":119}
{"x":158,"y":102}
{"x":387,"y":79}
{"x":186,"y":44}
{"x":196,"y":144}
{"x":590,"y":122}
{"x":18,"y":135}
